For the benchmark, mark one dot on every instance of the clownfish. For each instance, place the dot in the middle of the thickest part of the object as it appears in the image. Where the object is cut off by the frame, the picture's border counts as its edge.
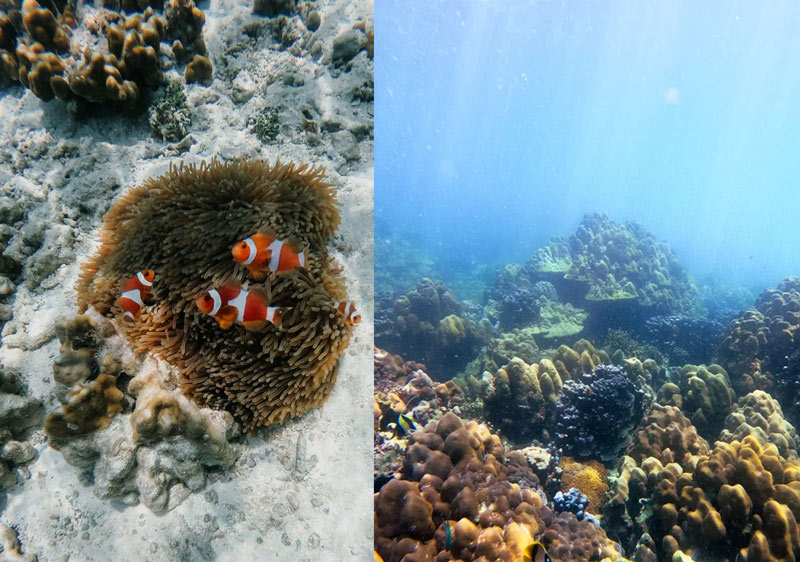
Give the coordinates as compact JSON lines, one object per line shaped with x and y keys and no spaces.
{"x":249,"y":308}
{"x":535,"y":552}
{"x":261,"y":253}
{"x":135,"y":293}
{"x":351,"y":317}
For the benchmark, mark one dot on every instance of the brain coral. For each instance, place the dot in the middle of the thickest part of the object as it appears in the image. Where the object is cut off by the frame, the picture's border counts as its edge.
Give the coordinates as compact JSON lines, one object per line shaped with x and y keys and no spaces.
{"x":183,"y":225}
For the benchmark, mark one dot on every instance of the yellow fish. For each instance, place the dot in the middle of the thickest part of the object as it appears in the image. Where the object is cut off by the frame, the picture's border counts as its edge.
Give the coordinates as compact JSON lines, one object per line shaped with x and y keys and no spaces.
{"x":535,"y":552}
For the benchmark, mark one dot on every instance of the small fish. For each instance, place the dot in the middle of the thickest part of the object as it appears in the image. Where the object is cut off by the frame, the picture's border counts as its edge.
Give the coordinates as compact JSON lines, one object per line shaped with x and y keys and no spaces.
{"x":351,"y":317}
{"x":135,"y":293}
{"x":261,"y":253}
{"x":405,"y":425}
{"x":535,"y":552}
{"x":448,"y":536}
{"x":249,"y":308}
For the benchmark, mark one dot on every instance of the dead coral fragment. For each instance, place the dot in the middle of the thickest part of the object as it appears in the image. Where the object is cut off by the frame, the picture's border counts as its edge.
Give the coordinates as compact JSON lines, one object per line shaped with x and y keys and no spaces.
{"x":183,"y":226}
{"x":90,"y":407}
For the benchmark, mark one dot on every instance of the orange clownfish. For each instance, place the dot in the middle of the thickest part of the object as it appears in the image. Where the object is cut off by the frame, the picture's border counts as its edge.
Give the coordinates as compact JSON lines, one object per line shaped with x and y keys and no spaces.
{"x":351,"y":317}
{"x":135,"y":293}
{"x":261,"y":253}
{"x":249,"y":308}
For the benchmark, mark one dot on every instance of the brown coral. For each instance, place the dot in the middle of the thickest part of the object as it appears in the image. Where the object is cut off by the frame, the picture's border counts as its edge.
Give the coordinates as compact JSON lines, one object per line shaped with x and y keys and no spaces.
{"x":260,"y":377}
{"x":458,"y":502}
{"x":668,"y":436}
{"x":90,"y":407}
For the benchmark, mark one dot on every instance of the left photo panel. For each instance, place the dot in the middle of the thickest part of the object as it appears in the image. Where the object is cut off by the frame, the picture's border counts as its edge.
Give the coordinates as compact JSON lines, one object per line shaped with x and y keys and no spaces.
{"x":186,"y":280}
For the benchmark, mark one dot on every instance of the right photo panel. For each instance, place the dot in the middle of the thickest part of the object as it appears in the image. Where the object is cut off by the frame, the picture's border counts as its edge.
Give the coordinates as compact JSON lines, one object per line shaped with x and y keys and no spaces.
{"x":587,"y":315}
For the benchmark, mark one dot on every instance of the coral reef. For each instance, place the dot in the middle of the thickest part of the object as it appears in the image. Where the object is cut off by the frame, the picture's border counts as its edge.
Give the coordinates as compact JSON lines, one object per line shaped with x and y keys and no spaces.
{"x":759,"y":415}
{"x":261,"y":377}
{"x":456,"y":502}
{"x":703,"y":393}
{"x":518,"y":299}
{"x":668,"y":436}
{"x":620,"y":262}
{"x":428,"y":327}
{"x":161,"y":453}
{"x":597,"y":411}
{"x":613,"y":276}
{"x":760,"y":348}
{"x":102,"y":56}
{"x":589,"y":479}
{"x":521,"y":399}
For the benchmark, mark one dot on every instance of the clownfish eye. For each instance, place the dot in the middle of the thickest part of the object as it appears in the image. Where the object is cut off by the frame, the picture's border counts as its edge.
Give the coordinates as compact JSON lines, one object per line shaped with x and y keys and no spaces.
{"x":243,"y":245}
{"x":207,"y":298}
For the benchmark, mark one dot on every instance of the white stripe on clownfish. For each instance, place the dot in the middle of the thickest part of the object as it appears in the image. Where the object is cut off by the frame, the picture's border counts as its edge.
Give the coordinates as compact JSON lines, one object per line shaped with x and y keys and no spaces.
{"x":239,"y":303}
{"x":271,"y":314}
{"x":275,"y":256}
{"x":251,"y":246}
{"x":135,"y":295}
{"x":302,"y":258}
{"x":142,"y":280}
{"x":128,"y":314}
{"x":217,"y":301}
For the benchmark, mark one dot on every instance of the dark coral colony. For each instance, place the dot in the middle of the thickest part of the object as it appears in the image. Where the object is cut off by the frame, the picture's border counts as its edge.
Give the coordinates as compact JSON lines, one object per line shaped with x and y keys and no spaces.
{"x":594,"y":406}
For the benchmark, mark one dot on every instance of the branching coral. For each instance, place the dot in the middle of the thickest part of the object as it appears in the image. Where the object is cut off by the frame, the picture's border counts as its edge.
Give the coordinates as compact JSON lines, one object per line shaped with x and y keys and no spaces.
{"x":260,"y":377}
{"x":596,"y":413}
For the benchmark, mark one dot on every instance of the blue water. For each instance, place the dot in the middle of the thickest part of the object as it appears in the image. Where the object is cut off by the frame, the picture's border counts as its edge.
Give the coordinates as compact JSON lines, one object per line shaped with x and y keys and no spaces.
{"x":500,"y":124}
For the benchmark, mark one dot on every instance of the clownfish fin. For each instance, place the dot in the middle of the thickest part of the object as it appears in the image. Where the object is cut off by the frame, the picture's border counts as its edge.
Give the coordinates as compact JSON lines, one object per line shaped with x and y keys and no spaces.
{"x":262,"y":292}
{"x":128,"y":316}
{"x":226,"y":316}
{"x":254,"y":325}
{"x":258,"y":275}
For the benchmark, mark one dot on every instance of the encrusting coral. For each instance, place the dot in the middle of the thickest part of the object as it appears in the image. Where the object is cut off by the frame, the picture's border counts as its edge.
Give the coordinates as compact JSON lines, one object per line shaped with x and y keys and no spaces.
{"x":183,"y":226}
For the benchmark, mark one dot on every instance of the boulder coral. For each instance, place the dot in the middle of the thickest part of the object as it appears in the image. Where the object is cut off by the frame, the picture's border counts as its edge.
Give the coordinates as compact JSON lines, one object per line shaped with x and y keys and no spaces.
{"x":759,"y":415}
{"x":183,"y":225}
{"x":521,"y":399}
